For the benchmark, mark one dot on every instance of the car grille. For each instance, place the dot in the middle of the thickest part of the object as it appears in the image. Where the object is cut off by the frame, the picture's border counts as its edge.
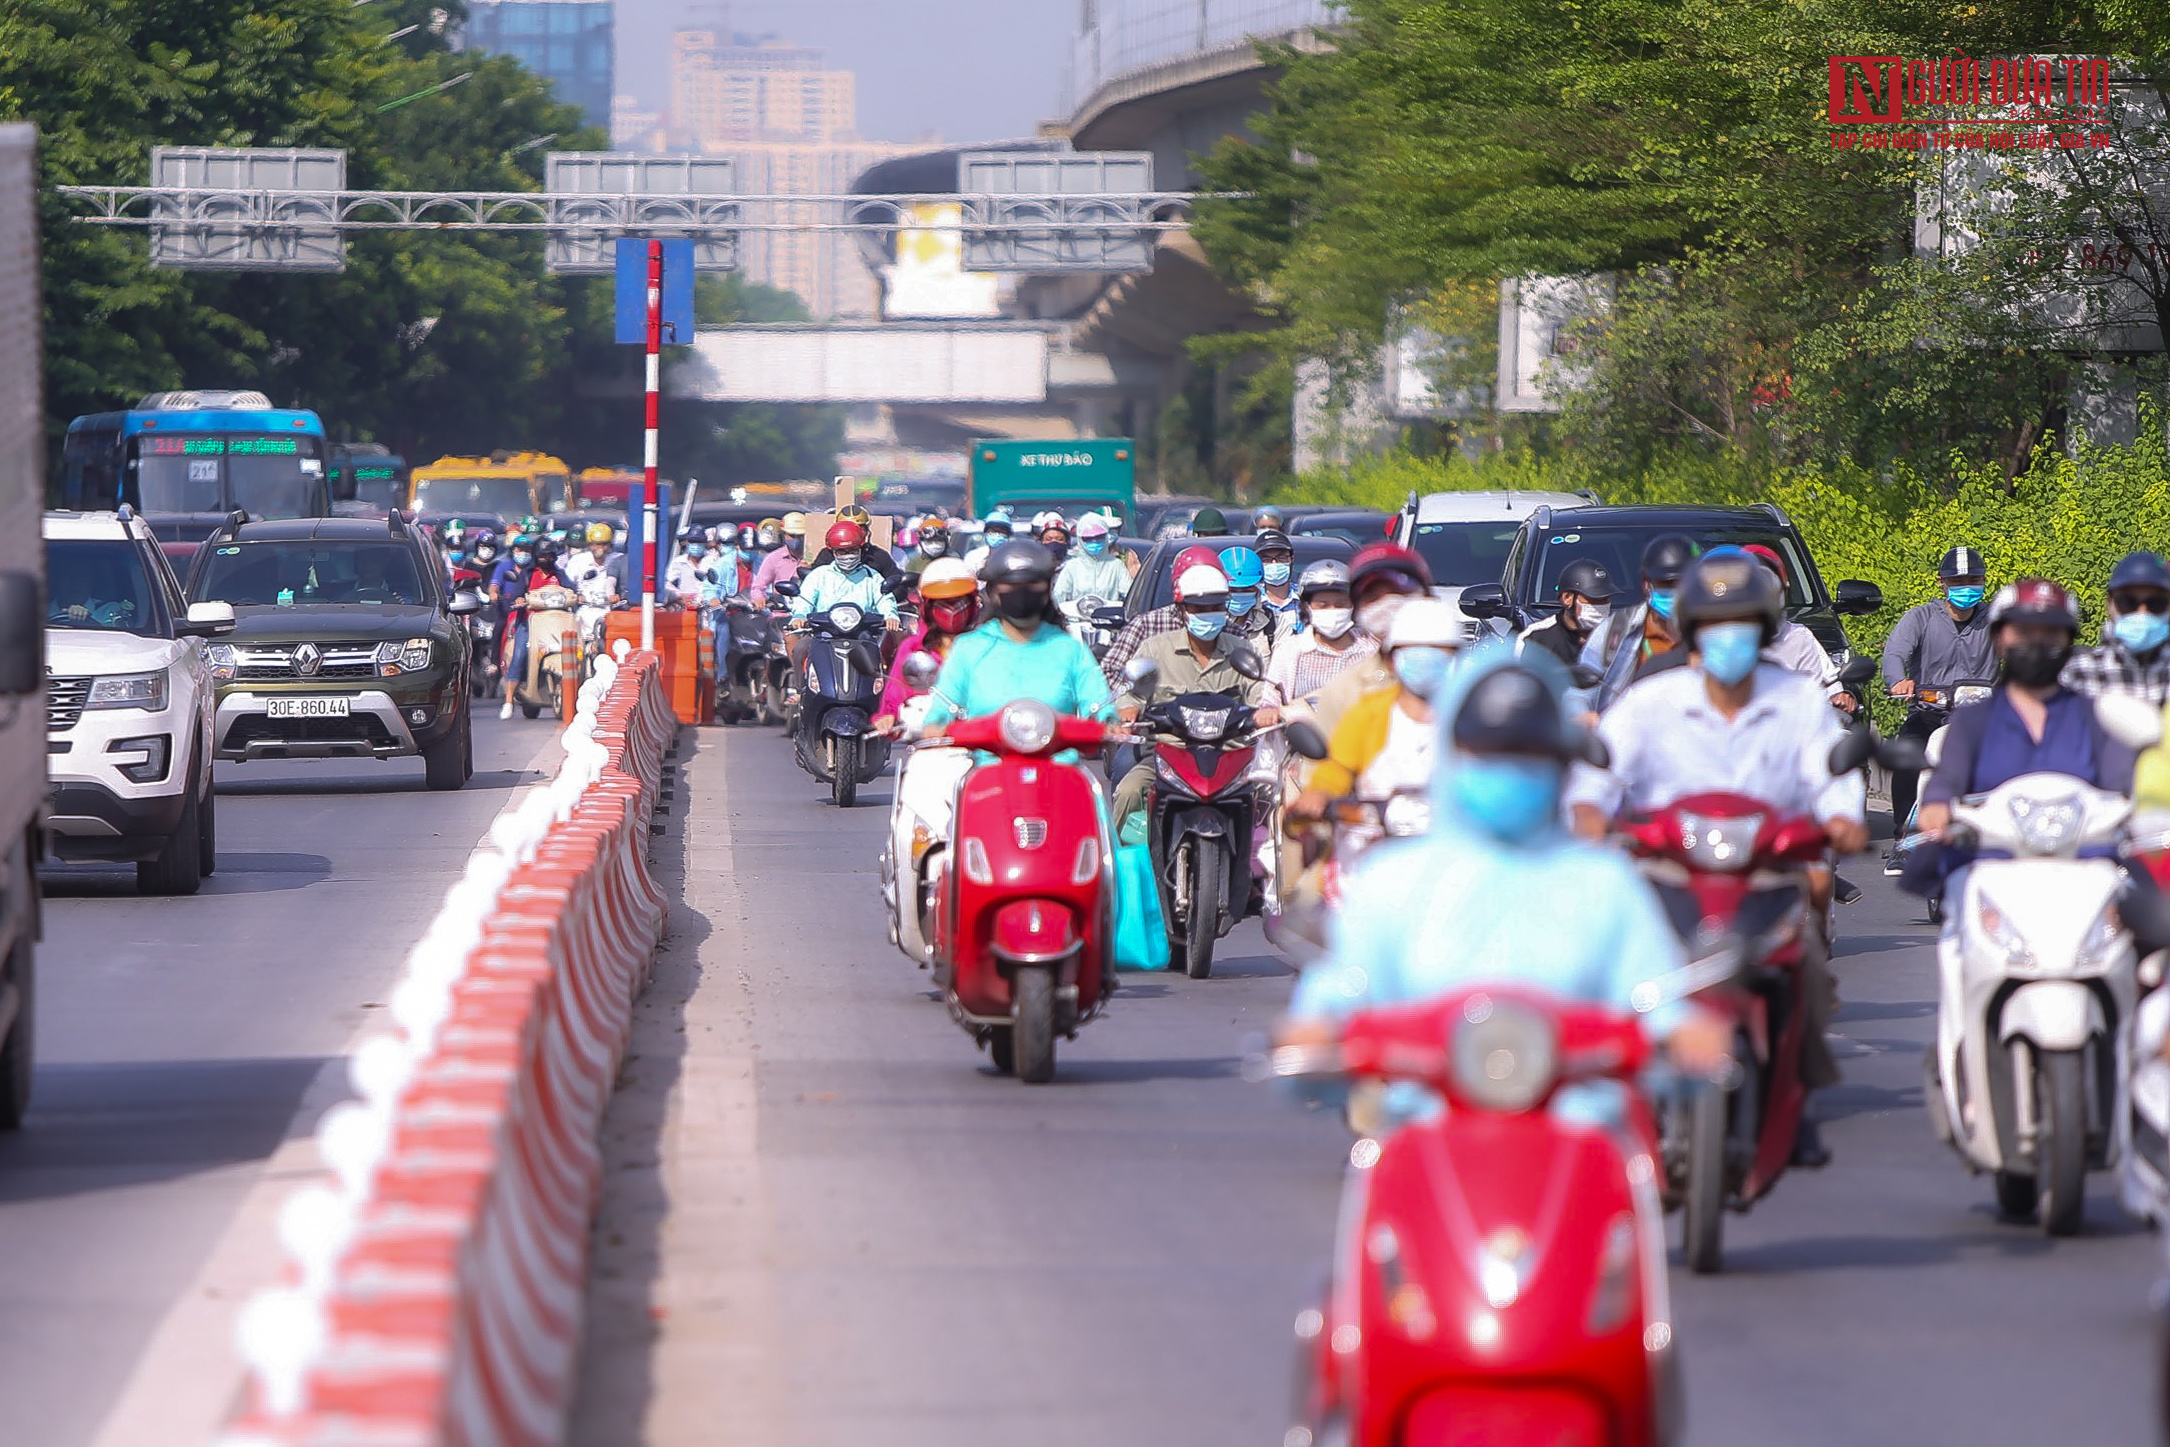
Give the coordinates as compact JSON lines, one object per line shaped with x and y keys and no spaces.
{"x":339,"y":662}
{"x":362,"y":727}
{"x":64,"y":700}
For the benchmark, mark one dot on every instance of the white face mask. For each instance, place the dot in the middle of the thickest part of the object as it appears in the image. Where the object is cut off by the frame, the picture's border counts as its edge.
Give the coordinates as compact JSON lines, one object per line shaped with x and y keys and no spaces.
{"x":1377,"y":616}
{"x":1591,"y":615}
{"x":1332,"y":622}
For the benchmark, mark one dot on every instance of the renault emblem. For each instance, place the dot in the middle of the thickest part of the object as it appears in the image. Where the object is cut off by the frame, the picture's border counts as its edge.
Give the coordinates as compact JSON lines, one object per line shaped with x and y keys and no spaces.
{"x":307,"y":660}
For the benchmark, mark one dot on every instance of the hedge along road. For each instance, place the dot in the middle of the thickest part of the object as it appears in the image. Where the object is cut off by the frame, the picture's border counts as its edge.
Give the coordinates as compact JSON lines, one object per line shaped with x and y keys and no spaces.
{"x":180,"y":1043}
{"x":827,"y":1224}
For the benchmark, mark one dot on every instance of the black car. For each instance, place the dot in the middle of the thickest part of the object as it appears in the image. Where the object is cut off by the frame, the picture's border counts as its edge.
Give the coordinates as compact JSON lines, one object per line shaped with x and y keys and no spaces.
{"x":1551,"y":538}
{"x":1360,"y":526}
{"x":1153,"y":586}
{"x":347,"y":643}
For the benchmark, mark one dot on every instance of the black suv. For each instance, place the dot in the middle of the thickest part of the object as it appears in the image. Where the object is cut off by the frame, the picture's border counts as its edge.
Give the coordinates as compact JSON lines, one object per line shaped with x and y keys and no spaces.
{"x":1551,"y":538}
{"x":344,"y":645}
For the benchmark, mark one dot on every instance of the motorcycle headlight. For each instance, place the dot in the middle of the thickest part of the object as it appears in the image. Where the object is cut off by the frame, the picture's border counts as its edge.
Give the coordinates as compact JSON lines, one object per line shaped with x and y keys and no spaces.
{"x":128,"y":690}
{"x":2048,"y":826}
{"x":221,"y":658}
{"x":1027,"y":726}
{"x":1204,"y":724}
{"x":1724,"y":844}
{"x":845,"y":617}
{"x":1505,"y":1054}
{"x":1998,"y":929}
{"x":2100,"y":942}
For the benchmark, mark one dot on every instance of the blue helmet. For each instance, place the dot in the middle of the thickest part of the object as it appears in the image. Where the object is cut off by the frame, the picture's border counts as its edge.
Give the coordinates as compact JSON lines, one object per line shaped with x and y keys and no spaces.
{"x":1243,"y":567}
{"x":999,"y":518}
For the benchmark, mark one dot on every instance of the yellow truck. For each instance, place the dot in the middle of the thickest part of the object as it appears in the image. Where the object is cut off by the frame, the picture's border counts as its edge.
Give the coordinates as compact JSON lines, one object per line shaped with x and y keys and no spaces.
{"x":507,"y":485}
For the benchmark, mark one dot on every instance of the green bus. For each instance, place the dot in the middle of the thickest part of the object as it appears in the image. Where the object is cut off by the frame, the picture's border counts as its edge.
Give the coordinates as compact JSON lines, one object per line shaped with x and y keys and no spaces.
{"x":1091,"y":474}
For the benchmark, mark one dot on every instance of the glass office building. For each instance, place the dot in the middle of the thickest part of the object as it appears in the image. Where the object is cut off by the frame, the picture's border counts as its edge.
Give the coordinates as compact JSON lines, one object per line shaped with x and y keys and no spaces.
{"x":568,"y":42}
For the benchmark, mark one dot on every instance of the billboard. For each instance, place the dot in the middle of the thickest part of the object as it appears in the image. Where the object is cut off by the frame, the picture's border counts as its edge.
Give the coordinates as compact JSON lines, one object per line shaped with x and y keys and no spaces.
{"x":928,"y":279}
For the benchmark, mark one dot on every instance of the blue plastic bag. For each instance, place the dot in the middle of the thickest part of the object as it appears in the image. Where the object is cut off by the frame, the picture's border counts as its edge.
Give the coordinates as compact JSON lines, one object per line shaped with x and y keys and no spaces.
{"x":1141,"y":930}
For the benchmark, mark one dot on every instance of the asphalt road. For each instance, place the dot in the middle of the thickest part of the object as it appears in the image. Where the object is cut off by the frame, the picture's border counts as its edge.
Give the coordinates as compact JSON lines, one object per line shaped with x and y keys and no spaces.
{"x":176,"y":1039}
{"x":942,"y":1256}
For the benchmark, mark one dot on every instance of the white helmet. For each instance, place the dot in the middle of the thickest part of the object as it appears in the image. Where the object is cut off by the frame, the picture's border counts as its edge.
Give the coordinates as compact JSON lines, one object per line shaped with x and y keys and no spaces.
{"x":1427,"y":622}
{"x":1201,"y":584}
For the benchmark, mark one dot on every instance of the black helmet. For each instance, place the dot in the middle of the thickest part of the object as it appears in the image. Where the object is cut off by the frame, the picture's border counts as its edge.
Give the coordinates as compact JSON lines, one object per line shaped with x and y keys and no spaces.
{"x":1019,"y":561}
{"x":1961,"y":562}
{"x":1511,"y":711}
{"x":1587,"y":577}
{"x":1667,"y":557}
{"x":1729,"y":587}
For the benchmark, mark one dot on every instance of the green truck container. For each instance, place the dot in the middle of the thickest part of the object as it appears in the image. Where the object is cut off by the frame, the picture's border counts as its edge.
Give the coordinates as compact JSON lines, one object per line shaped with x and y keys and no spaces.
{"x":1096,"y":474}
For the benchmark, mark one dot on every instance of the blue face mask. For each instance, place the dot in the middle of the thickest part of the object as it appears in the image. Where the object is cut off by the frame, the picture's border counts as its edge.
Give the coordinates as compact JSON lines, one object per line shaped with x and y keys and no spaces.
{"x":1094,"y":546}
{"x":1240,"y":603}
{"x":1964,"y":598}
{"x":1661,"y":602}
{"x":726,"y":557}
{"x":1508,"y":798}
{"x":2142,"y":632}
{"x":1421,"y":669}
{"x":1277,"y":575}
{"x":1729,"y":650}
{"x":1207,"y":626}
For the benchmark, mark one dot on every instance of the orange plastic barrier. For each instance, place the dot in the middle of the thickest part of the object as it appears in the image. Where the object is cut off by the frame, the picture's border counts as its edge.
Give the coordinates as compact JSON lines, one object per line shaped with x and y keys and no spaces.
{"x":689,"y":667}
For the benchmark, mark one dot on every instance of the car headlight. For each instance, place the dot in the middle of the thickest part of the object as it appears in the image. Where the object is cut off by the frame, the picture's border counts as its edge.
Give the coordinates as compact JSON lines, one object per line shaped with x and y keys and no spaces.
{"x":1998,"y":929}
{"x":394,"y":658}
{"x":1027,"y":726}
{"x":221,"y":658}
{"x":128,"y":690}
{"x":2047,"y":826}
{"x":1204,"y":724}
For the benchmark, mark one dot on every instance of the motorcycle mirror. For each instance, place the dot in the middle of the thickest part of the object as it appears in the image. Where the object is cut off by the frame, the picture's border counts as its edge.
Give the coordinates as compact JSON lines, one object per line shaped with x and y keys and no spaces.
{"x":904,"y":586}
{"x":1858,"y":670}
{"x":784,"y":588}
{"x":921,"y":669}
{"x":1142,"y":675}
{"x":1305,"y":739}
{"x":1592,"y":750}
{"x":1903,"y":756}
{"x":1242,"y":659}
{"x":1582,"y":675}
{"x":2133,"y":722}
{"x":1109,"y":617}
{"x":1852,"y":751}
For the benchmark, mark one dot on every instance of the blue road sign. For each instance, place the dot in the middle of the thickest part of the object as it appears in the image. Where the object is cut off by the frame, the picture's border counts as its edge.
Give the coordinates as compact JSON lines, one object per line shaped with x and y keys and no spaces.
{"x":632,"y":291}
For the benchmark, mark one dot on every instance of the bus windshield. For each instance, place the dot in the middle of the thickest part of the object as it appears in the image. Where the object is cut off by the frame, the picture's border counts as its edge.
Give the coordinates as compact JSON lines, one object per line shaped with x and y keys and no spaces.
{"x":505,"y":496}
{"x":267,"y":476}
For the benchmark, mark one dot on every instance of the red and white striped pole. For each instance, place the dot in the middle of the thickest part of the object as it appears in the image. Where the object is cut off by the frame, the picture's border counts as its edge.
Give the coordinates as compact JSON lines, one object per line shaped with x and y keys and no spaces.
{"x":651,"y":556}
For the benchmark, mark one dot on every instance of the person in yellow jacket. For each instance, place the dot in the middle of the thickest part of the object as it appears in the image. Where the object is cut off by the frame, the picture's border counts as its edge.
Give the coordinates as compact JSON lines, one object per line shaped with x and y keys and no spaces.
{"x":1383,"y":743}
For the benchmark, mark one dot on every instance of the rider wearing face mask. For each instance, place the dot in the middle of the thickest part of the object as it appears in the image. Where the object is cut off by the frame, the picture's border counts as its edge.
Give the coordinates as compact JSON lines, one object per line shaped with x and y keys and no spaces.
{"x":1732,"y":722}
{"x":1024,"y":653}
{"x":1277,"y":595}
{"x":1497,"y":892}
{"x":949,"y":606}
{"x":1935,"y":646}
{"x":2132,"y":657}
{"x":1095,"y":570}
{"x":1384,"y":742}
{"x":932,"y":547}
{"x":1586,"y":594}
{"x":1155,"y":621}
{"x":1383,"y":577}
{"x":1329,"y":645}
{"x":1246,"y":573}
{"x":1200,"y":659}
{"x":782,"y":565}
{"x":1633,"y":638}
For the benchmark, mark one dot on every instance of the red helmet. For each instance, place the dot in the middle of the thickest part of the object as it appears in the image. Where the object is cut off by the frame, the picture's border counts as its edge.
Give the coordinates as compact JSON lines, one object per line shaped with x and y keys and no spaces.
{"x":2036,"y":600}
{"x":844,"y":533}
{"x":1378,"y":560}
{"x":1195,"y":557}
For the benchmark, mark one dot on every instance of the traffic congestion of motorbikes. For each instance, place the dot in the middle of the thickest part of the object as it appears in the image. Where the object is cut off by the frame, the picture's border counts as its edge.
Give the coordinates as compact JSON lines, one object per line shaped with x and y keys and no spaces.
{"x":1562,"y":896}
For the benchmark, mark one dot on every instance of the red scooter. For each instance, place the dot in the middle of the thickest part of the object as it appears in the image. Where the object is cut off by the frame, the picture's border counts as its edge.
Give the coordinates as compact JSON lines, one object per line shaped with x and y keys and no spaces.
{"x":1024,"y":927}
{"x":1499,"y":1272}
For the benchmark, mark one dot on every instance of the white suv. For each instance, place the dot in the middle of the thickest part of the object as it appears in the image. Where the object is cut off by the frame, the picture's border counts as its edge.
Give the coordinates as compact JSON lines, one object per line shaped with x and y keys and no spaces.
{"x":128,"y":703}
{"x":1464,"y":537}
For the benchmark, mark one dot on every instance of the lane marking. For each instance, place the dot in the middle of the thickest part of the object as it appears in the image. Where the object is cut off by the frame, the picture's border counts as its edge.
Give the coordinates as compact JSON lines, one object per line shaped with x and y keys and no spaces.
{"x":189,"y":1378}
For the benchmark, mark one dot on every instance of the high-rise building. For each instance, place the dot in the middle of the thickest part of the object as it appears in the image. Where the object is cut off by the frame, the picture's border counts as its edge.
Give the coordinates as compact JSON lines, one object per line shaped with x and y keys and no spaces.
{"x":567,"y":42}
{"x":790,"y":128}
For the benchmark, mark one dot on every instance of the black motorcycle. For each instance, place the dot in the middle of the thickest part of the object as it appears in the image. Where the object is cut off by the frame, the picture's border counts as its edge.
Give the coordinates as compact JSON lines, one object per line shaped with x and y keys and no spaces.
{"x":751,"y":666}
{"x":833,"y":734}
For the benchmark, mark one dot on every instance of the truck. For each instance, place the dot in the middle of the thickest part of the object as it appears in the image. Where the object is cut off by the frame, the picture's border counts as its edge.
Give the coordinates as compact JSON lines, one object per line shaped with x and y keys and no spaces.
{"x":1097,"y":474}
{"x":23,"y":783}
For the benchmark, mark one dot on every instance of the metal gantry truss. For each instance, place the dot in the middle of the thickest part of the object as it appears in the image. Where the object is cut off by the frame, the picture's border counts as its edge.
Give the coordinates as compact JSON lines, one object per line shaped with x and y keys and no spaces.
{"x":1103,"y":232}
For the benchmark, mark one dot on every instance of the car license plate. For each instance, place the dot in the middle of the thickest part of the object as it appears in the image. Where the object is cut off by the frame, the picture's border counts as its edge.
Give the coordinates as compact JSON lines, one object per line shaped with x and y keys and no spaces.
{"x":307,"y":707}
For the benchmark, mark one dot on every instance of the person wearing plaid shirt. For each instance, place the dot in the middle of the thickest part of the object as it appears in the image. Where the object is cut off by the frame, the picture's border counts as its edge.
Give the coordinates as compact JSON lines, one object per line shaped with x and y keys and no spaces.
{"x":2132,"y":657}
{"x":1252,"y":627}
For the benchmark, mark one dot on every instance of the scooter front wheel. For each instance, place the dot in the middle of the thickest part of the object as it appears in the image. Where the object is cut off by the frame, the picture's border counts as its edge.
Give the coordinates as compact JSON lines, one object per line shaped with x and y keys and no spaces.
{"x":1209,"y":876}
{"x":1002,"y":1045}
{"x":1702,"y":1224}
{"x":1032,"y":1029}
{"x":2060,"y":1148}
{"x":844,"y":772}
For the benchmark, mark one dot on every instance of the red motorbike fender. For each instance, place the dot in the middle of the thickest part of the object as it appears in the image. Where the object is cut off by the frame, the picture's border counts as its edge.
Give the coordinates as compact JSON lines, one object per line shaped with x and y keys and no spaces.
{"x":1034,"y":932}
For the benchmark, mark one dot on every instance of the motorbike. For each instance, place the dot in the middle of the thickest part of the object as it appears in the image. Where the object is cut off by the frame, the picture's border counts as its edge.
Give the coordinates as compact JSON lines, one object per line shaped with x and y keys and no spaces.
{"x":833,"y":734}
{"x":551,"y":626}
{"x":1200,"y":813}
{"x":920,"y":813}
{"x":1090,"y":623}
{"x":1499,"y":1269}
{"x":1022,"y":914}
{"x":750,"y":668}
{"x":1926,"y":717}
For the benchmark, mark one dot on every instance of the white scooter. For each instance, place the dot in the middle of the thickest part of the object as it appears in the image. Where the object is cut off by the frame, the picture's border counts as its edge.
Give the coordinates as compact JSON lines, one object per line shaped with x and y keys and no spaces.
{"x":925,"y":799}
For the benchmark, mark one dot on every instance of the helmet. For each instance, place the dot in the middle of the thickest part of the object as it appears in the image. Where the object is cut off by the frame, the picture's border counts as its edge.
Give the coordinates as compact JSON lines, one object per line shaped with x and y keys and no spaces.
{"x":770,"y":534}
{"x":530,"y":524}
{"x":1272,"y":540}
{"x":1243,"y":568}
{"x":1200,"y":584}
{"x":692,"y":535}
{"x":1209,"y":522}
{"x":2035,"y":600}
{"x":996,"y":519}
{"x":483,"y":538}
{"x":1667,"y":557}
{"x":1019,"y":561}
{"x":947,"y":578}
{"x":1092,"y":525}
{"x":1268,"y":519}
{"x":844,"y":533}
{"x":1428,"y":622}
{"x":546,"y":548}
{"x":2140,"y":570}
{"x":908,"y":536}
{"x":601,"y":532}
{"x":1511,"y":711}
{"x":1588,"y":578}
{"x":1049,"y":518}
{"x":1770,"y":558}
{"x":1727,"y":588}
{"x":794,"y":524}
{"x":1960,"y":562}
{"x":455,"y":532}
{"x":856,"y":514}
{"x":1390,"y":561}
{"x":1321,"y":577}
